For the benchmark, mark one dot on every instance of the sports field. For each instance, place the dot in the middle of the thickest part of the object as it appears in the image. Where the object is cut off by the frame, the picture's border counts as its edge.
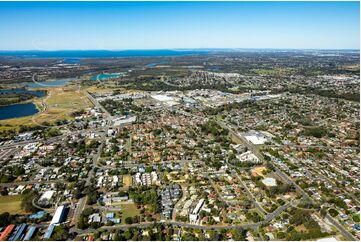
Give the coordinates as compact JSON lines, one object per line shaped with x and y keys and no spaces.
{"x":127,"y":180}
{"x":129,"y":210}
{"x":11,"y":204}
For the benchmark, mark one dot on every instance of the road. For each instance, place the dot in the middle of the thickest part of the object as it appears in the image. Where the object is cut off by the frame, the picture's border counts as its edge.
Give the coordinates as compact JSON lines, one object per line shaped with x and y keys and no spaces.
{"x":52,"y":139}
{"x":23,"y":143}
{"x":98,"y":105}
{"x":5,"y":154}
{"x":10,"y":184}
{"x":177,"y":208}
{"x":106,"y":208}
{"x":174,"y":223}
{"x":313,"y":146}
{"x":267,"y":219}
{"x":82,"y":201}
{"x":249,"y":193}
{"x":355,"y":199}
{"x":216,"y":190}
{"x":340,"y":228}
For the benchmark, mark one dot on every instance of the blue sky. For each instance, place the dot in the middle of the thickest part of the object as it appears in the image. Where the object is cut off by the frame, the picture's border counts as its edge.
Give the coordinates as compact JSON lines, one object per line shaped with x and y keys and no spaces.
{"x":163,"y":25}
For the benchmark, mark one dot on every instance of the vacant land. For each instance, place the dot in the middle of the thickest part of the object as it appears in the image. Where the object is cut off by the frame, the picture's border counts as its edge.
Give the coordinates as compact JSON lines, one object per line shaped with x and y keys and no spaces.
{"x":11,"y":204}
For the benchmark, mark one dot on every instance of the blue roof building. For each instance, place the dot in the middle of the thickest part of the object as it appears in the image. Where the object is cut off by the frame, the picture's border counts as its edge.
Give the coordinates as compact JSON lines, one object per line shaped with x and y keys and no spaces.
{"x":49,"y":231}
{"x":37,"y":215}
{"x":20,"y":232}
{"x":109,"y":215}
{"x":30,"y":233}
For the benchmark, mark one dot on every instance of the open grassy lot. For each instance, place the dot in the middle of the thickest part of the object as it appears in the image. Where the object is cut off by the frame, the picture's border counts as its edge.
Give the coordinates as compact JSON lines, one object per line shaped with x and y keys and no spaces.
{"x":99,"y":88}
{"x":11,"y":204}
{"x":59,"y":104}
{"x":67,"y":98}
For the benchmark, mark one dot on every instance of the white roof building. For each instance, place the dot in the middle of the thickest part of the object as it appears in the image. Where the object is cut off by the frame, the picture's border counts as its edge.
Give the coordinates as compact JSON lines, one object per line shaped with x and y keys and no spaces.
{"x":46,"y":196}
{"x":269,"y":182}
{"x":248,"y":156}
{"x":162,"y":98}
{"x":123,"y":121}
{"x":256,"y":137}
{"x":58,"y":215}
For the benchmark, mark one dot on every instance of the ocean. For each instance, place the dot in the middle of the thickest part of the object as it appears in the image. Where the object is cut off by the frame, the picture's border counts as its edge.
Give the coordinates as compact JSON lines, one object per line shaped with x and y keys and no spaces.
{"x":100,"y":53}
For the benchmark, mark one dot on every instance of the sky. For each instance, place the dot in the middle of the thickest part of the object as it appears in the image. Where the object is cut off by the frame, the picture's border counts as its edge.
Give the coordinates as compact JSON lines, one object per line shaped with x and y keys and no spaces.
{"x":171,"y":25}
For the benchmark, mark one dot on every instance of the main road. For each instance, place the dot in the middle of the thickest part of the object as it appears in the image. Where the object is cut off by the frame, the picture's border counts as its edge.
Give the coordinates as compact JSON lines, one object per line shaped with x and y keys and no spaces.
{"x":82,"y":201}
{"x":269,"y":217}
{"x":249,"y":193}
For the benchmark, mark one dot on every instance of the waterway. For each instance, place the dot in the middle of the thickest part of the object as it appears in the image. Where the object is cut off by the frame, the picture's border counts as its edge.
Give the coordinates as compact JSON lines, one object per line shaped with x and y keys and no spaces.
{"x":105,"y":76}
{"x":156,"y":64}
{"x":51,"y":83}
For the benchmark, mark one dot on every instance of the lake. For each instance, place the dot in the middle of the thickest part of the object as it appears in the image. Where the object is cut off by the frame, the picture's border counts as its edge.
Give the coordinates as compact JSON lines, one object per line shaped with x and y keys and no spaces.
{"x":39,"y":93}
{"x":17,"y":110}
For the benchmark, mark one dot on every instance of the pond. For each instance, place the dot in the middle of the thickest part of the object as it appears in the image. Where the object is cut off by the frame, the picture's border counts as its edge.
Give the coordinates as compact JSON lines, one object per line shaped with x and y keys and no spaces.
{"x":17,"y":110}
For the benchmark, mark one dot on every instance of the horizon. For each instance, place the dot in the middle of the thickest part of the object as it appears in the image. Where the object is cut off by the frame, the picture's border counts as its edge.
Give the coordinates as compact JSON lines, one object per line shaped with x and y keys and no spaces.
{"x":180,"y":49}
{"x":120,"y":26}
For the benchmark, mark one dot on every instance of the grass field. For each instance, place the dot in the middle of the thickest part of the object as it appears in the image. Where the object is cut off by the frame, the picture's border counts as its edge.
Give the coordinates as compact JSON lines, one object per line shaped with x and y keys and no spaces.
{"x":129,"y":210}
{"x":57,"y":105}
{"x":11,"y":204}
{"x":127,"y":180}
